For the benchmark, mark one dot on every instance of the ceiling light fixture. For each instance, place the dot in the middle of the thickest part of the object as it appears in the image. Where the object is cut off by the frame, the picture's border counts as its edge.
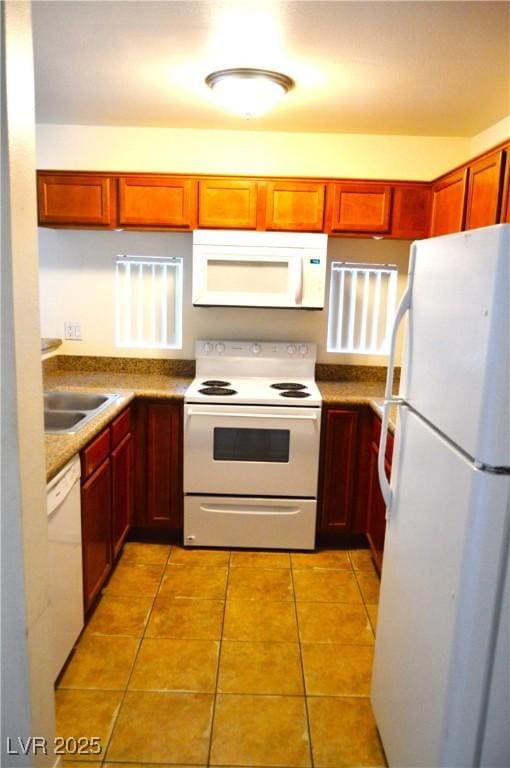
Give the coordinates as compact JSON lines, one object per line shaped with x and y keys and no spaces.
{"x":248,"y":92}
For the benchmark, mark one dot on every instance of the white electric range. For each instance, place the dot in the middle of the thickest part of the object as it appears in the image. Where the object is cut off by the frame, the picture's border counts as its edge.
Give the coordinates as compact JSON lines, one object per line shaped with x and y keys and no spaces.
{"x":251,"y":445}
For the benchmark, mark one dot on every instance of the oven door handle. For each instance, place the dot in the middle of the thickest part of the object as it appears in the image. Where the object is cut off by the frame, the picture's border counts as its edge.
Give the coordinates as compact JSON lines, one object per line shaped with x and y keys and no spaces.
{"x":301,"y":417}
{"x":248,"y":509}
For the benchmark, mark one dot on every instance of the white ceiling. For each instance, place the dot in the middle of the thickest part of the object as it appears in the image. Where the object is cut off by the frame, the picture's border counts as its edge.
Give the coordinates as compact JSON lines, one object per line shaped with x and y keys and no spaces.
{"x":417,"y":68}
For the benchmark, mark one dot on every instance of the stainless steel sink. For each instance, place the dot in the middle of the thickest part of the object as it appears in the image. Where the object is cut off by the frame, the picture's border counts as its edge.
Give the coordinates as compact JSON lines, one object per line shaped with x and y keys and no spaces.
{"x":62,"y":421}
{"x":68,"y":412}
{"x":78,"y":401}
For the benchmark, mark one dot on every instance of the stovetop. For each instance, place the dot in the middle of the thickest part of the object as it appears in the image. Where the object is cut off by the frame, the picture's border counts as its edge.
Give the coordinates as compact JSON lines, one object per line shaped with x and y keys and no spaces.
{"x":255,"y":373}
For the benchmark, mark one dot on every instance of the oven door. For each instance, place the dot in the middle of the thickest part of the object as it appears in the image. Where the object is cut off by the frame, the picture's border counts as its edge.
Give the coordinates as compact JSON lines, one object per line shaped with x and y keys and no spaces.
{"x":251,"y":450}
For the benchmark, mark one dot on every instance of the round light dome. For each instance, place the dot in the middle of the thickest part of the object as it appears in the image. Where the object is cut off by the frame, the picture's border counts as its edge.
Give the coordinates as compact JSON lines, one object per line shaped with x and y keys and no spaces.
{"x":248,"y":92}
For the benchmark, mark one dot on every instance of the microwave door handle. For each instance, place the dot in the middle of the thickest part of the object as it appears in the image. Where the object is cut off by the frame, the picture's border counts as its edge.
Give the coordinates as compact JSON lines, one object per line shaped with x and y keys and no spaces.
{"x":298,"y":269}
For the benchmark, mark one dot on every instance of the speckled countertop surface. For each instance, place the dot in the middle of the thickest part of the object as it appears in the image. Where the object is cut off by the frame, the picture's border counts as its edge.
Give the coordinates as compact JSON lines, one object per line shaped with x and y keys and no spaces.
{"x":61,"y":448}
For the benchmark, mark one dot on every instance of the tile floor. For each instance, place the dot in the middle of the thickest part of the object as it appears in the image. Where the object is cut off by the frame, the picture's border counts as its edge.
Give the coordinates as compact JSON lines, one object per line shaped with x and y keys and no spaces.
{"x":219,"y":658}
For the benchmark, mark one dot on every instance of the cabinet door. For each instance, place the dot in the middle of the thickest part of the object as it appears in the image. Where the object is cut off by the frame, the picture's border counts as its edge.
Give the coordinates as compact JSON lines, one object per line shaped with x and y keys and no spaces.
{"x":122,"y":492}
{"x":338,"y":461}
{"x":484,"y":191}
{"x":146,"y":201}
{"x":410,"y":218}
{"x":96,"y":532}
{"x":505,"y":205}
{"x":448,"y":204}
{"x":227,"y":203}
{"x":73,"y":200}
{"x":295,"y":206}
{"x":163,"y":465}
{"x":359,"y":207}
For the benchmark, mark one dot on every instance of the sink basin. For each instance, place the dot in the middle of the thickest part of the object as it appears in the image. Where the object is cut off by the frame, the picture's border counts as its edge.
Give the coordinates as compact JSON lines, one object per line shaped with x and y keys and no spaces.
{"x":67,"y":412}
{"x":78,"y":401}
{"x":62,"y":421}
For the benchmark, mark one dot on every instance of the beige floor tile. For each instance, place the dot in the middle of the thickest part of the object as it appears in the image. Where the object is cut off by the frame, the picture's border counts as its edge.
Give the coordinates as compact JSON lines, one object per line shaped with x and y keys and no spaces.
{"x":337,"y":670}
{"x":372,"y":615}
{"x":266,"y":584}
{"x":176,"y":665}
{"x":186,"y":618}
{"x":260,"y":730}
{"x":101,"y":661}
{"x":120,"y":615}
{"x":369,"y":584}
{"x":260,"y":559}
{"x":135,"y":580}
{"x":185,"y":556}
{"x":141,"y":553}
{"x":322,"y":558}
{"x":255,"y":620}
{"x":361,"y":560}
{"x":162,"y":728}
{"x":325,"y":585}
{"x":141,"y":765}
{"x":334,"y":623}
{"x":343,"y":733}
{"x":86,"y":713}
{"x":204,"y":582}
{"x":251,"y":667}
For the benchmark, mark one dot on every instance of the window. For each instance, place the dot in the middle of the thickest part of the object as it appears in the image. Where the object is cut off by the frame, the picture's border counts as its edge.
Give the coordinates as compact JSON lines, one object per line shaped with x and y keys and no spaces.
{"x":148,"y":302}
{"x":362,"y":300}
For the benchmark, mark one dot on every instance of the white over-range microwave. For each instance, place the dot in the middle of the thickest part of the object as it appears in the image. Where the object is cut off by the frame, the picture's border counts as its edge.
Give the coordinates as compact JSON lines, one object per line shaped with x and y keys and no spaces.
{"x":235,"y":268}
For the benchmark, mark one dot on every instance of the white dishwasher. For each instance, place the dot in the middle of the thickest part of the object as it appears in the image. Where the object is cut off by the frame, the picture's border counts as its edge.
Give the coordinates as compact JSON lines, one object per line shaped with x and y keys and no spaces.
{"x":65,"y":561}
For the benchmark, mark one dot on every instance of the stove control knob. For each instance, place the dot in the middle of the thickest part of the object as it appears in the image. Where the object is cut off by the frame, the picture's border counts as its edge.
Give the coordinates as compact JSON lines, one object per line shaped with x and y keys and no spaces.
{"x":303,"y":348}
{"x":207,"y":348}
{"x":220,"y":348}
{"x":291,"y":349}
{"x":255,"y":349}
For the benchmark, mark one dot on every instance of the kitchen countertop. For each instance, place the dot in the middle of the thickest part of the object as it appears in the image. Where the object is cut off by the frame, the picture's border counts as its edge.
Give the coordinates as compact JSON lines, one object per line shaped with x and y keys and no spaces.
{"x":60,"y":448}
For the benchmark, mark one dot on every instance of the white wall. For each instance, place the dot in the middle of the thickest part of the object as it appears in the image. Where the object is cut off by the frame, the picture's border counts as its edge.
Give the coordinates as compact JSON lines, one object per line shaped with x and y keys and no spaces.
{"x":165,"y":150}
{"x":77,"y":284}
{"x":27,"y":682}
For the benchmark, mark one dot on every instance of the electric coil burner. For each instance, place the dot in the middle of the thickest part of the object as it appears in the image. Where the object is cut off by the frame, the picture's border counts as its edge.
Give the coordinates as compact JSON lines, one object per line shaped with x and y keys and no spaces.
{"x":251,"y":452}
{"x":217,"y":391}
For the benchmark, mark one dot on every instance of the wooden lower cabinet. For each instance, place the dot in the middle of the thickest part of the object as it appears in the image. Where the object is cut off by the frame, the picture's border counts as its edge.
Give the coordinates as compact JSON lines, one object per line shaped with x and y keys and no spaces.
{"x":96,"y":514}
{"x":338,"y":462}
{"x":106,"y":502}
{"x":158,"y":461}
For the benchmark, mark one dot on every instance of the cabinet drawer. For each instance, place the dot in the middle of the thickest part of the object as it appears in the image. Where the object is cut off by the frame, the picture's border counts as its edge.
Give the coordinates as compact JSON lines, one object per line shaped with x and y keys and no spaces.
{"x":95,"y":453}
{"x":120,"y":427}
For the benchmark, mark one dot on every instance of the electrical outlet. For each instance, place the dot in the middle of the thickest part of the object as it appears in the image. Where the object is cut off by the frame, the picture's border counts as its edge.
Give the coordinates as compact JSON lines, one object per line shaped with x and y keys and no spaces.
{"x":72,"y":331}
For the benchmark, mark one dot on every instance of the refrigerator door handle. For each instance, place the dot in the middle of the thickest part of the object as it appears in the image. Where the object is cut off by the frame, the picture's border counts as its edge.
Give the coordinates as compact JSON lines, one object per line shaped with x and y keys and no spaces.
{"x":389,"y":399}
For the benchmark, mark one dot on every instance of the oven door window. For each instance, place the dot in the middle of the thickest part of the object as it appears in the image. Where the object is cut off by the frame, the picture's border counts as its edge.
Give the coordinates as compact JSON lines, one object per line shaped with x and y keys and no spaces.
{"x":237,"y":444}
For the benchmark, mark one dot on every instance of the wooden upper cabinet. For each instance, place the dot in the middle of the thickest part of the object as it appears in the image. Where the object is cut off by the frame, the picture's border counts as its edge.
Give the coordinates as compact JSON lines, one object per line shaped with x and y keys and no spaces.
{"x":74,"y":200}
{"x":484,"y":191}
{"x":151,"y":201}
{"x":294,"y":205}
{"x":227,"y":203}
{"x":448,"y":203}
{"x":410,"y":218}
{"x":359,"y":207}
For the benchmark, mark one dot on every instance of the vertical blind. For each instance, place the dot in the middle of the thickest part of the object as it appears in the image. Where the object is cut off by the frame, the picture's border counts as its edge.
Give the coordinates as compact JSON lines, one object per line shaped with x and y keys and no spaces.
{"x":362,"y":302}
{"x":148,"y":299}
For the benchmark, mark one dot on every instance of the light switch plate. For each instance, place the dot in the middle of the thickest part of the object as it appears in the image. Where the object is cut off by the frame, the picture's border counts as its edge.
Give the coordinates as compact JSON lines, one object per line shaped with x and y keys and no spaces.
{"x":72,"y":331}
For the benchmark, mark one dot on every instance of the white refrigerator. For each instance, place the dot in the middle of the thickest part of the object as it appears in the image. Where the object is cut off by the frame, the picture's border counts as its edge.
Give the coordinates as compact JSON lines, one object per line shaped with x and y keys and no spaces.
{"x":441,"y":678}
